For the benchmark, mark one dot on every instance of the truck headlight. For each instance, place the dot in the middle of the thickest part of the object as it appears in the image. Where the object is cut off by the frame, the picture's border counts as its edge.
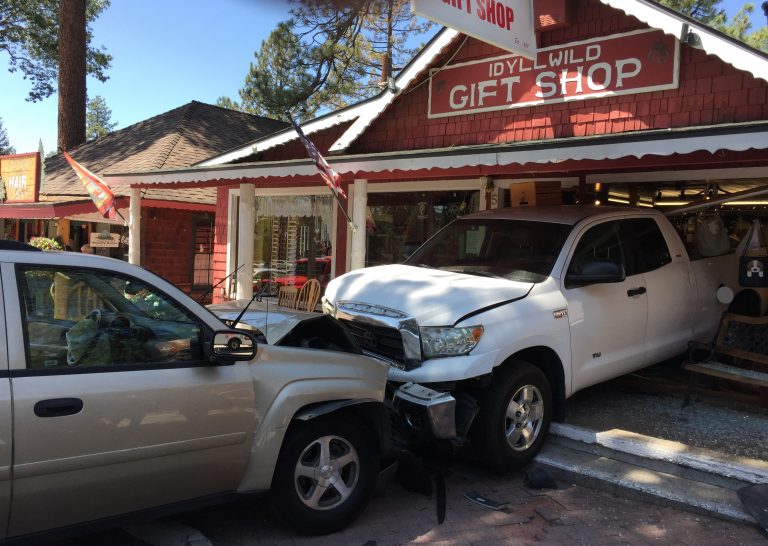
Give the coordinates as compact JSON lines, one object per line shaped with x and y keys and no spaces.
{"x":328,"y":308}
{"x":437,"y":341}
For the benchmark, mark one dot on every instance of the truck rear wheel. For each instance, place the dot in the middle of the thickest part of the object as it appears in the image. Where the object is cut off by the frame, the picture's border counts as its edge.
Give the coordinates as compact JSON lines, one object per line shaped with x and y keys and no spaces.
{"x":514,"y":416}
{"x":325,"y":475}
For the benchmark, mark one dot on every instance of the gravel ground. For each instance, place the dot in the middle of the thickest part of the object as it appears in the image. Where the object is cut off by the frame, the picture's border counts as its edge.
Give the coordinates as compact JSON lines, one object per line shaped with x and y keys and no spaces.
{"x":721,"y":417}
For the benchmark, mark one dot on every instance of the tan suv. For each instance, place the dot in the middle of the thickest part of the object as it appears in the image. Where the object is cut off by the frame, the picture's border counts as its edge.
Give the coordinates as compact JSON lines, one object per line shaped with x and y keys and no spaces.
{"x":118,"y":393}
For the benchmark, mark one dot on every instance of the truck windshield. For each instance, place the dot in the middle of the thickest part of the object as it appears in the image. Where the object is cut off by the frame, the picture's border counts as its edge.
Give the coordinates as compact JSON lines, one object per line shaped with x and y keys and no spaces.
{"x":512,"y":249}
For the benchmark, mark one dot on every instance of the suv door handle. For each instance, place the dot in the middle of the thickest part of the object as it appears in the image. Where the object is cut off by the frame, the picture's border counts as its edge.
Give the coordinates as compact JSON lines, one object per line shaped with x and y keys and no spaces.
{"x":636,"y":291}
{"x":58,"y":407}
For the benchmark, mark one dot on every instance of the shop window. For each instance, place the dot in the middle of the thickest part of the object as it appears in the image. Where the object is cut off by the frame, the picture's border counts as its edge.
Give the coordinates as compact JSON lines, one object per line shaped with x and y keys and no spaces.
{"x":398,"y":223}
{"x":202,"y":255}
{"x":292,"y":241}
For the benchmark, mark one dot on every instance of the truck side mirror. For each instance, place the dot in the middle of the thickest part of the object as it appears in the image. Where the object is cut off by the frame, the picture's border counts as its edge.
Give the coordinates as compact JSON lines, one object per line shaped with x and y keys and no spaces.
{"x":230,"y":346}
{"x":594,"y":271}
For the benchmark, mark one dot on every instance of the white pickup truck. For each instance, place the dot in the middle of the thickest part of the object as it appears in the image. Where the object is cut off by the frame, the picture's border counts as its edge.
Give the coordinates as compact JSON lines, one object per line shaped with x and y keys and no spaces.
{"x":512,"y":311}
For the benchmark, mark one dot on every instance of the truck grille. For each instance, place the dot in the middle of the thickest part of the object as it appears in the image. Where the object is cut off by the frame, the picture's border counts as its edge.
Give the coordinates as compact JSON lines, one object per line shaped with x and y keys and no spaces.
{"x":378,"y":340}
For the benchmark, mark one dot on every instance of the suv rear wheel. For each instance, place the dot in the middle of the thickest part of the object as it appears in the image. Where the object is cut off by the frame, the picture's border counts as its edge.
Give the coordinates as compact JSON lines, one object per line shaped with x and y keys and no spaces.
{"x":325,"y":475}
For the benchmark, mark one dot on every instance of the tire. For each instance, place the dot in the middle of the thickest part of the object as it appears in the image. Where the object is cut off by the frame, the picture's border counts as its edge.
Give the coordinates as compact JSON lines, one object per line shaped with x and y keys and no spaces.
{"x":316,"y":493}
{"x":515,"y":413}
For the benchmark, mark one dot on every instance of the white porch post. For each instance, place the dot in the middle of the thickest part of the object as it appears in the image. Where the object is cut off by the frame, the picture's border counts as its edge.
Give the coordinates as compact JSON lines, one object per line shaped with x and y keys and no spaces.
{"x":134,"y":227}
{"x":247,"y":215}
{"x":359,"y":207}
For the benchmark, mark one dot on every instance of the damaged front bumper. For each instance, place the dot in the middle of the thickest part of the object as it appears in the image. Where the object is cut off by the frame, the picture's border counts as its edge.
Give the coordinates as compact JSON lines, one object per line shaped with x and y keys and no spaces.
{"x":424,"y":413}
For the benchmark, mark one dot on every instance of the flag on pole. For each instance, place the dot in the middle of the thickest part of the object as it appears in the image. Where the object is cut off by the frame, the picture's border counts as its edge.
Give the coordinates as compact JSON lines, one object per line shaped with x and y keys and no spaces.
{"x":331,"y":177}
{"x":100,"y":193}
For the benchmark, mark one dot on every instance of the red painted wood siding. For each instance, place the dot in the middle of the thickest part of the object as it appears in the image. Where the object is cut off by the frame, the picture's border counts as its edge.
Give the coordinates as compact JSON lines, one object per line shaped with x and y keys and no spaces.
{"x":167,"y":246}
{"x":710,"y":92}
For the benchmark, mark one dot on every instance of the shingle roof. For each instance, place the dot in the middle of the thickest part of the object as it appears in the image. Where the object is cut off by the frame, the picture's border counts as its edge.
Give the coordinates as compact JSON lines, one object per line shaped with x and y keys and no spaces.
{"x":178,"y":138}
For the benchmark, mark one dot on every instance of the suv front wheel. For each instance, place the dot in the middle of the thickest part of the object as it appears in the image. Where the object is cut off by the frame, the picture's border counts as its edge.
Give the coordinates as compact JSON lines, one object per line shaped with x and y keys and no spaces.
{"x":325,"y":475}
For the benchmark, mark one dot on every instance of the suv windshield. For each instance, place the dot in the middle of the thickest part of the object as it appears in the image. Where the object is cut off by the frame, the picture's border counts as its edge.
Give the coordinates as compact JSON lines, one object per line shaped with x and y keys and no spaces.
{"x":512,"y":249}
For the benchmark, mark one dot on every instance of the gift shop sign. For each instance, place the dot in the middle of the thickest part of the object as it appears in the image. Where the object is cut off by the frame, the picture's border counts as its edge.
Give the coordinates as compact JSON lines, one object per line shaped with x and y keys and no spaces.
{"x":507,"y":24}
{"x":20,"y":177}
{"x":633,"y":62}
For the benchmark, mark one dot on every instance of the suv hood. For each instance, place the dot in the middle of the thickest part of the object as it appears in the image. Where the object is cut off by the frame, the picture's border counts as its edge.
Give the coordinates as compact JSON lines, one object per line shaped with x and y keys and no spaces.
{"x":432,"y":296}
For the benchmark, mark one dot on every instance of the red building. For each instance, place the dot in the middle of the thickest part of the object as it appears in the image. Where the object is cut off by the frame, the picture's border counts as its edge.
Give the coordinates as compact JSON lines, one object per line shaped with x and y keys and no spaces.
{"x":627,"y":102}
{"x":177,"y":227}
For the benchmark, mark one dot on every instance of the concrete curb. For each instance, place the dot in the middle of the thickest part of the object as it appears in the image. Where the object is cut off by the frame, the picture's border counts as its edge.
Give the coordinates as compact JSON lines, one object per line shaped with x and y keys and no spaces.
{"x":739,"y":468}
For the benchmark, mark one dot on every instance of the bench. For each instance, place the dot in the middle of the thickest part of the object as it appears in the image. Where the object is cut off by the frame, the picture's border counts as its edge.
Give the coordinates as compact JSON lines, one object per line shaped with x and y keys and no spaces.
{"x":739,"y":353}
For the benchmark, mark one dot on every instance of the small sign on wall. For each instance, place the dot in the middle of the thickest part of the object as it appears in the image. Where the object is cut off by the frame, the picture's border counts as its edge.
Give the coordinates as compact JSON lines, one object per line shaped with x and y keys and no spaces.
{"x":20,"y":177}
{"x":105,"y":240}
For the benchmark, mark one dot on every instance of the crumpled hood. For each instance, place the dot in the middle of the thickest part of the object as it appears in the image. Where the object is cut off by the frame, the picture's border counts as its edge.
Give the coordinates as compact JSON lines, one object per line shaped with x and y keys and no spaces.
{"x":273,"y":321}
{"x":433,"y":297}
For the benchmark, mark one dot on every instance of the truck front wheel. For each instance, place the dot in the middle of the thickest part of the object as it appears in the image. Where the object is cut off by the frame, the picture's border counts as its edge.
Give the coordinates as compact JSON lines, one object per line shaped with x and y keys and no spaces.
{"x":514,"y":417}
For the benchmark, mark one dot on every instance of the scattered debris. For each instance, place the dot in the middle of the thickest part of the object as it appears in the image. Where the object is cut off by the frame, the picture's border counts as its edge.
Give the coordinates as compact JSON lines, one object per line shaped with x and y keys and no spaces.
{"x":538,"y":478}
{"x":755,"y":500}
{"x":425,"y":475}
{"x":474,"y":496}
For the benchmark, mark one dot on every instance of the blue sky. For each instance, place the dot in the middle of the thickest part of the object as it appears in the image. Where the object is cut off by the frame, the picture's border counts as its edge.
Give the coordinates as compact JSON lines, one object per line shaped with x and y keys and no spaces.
{"x":165,"y":54}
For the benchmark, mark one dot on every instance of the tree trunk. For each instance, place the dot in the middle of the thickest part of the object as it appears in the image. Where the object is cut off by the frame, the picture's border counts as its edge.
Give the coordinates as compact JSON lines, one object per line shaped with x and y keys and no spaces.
{"x":72,"y":90}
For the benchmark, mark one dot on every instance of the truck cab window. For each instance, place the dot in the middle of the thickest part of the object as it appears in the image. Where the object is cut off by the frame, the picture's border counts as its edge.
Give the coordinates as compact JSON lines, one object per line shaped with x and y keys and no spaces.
{"x":649,"y":250}
{"x":600,"y":242}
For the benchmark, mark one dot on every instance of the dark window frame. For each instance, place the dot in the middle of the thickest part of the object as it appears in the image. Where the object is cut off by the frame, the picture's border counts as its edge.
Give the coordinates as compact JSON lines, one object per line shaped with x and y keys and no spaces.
{"x":202,"y":221}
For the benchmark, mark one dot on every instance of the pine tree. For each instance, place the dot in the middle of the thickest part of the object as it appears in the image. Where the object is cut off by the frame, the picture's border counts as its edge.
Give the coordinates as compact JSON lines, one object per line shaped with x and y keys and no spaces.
{"x":29,"y":33}
{"x":98,"y":119}
{"x":327,"y":55}
{"x":709,"y":13}
{"x":5,"y":146}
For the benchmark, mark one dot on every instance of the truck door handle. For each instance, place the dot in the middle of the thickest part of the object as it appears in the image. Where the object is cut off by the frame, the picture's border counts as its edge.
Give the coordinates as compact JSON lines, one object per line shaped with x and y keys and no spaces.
{"x":636,"y":291}
{"x":58,"y":407}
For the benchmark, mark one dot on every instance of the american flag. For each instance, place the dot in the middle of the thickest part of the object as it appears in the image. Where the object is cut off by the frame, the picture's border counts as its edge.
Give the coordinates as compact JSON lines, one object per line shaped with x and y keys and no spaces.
{"x":331,"y":177}
{"x":100,"y":193}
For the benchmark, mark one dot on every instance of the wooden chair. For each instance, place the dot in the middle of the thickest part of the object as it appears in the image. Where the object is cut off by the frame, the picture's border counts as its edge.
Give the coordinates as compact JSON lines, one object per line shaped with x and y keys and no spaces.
{"x":739,"y":353}
{"x":286,"y":296}
{"x":308,"y":296}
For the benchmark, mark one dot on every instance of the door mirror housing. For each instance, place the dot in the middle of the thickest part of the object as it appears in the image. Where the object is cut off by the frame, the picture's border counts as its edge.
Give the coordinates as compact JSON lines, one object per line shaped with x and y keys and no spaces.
{"x":232,"y":346}
{"x":596,"y":271}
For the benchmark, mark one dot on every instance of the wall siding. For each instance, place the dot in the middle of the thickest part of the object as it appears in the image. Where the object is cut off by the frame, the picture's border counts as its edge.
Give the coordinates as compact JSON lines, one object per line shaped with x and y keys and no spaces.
{"x":710,"y":92}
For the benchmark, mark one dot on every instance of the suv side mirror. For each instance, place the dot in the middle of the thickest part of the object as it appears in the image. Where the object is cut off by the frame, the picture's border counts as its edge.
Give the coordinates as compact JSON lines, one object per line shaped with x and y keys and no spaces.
{"x":596,"y":271}
{"x":231,"y":346}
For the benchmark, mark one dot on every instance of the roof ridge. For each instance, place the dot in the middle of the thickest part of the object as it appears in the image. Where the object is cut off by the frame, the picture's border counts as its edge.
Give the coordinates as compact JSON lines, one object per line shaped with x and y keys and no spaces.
{"x":178,"y":132}
{"x":239,"y":112}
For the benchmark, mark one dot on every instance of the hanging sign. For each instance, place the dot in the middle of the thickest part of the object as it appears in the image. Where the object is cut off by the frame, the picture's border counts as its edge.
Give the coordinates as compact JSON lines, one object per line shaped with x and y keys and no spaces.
{"x":632,"y":62}
{"x":507,"y":24}
{"x":20,"y":176}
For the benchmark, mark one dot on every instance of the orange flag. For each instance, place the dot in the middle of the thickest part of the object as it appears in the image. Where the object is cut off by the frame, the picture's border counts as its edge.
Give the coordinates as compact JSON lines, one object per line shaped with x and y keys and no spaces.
{"x":100,"y":193}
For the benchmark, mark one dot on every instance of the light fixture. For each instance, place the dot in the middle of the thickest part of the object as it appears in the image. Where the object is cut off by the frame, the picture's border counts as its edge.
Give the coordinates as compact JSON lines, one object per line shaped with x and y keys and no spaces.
{"x":670,"y":203}
{"x":693,"y":39}
{"x":618,"y":200}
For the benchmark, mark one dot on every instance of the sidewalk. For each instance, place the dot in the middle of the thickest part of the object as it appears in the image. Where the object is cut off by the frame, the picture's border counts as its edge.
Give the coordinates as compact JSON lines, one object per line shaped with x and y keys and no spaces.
{"x":568,"y":515}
